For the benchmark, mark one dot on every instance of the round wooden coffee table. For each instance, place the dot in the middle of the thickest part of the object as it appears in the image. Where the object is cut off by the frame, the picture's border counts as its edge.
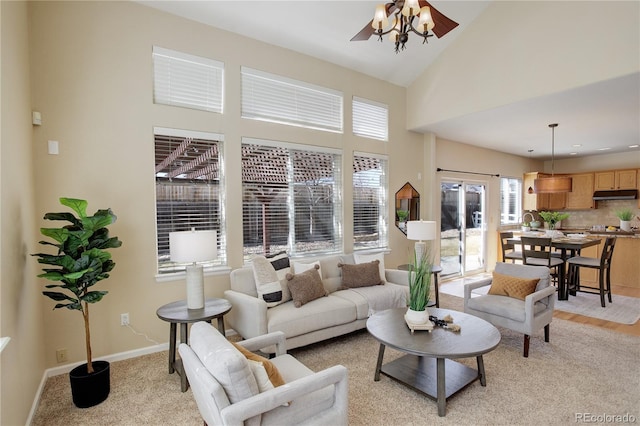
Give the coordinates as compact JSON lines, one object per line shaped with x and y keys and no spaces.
{"x":428,"y":367}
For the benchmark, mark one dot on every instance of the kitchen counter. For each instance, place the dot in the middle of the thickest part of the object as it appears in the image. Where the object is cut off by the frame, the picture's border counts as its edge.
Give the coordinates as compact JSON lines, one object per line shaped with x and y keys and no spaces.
{"x":617,"y":233}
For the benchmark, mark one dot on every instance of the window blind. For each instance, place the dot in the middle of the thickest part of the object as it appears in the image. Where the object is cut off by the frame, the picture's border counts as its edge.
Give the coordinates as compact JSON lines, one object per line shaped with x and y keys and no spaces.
{"x":291,"y":199}
{"x":370,"y":187}
{"x":278,"y":99}
{"x":370,"y":119}
{"x":184,"y":80}
{"x":189,"y":192}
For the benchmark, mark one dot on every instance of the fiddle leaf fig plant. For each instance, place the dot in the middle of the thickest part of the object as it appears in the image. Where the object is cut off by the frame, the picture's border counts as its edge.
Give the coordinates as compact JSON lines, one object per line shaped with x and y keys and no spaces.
{"x":81,"y":260}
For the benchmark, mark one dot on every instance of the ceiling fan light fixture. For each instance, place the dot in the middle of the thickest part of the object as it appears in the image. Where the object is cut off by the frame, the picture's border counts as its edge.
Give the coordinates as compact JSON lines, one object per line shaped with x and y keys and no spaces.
{"x":426,"y":21}
{"x":411,"y":8}
{"x":380,"y":19}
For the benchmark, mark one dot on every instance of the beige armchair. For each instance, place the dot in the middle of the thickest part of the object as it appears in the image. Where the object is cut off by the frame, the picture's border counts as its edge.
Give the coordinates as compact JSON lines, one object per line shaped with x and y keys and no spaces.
{"x":525,"y":316}
{"x":226,"y":390}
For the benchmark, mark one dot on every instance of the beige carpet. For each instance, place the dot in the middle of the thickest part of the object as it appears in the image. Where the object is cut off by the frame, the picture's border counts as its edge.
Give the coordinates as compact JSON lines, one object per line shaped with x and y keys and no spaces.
{"x":583,"y":369}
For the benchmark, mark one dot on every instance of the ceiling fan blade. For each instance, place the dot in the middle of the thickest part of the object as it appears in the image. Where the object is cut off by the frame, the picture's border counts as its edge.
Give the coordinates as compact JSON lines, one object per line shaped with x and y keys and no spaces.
{"x":442,"y":24}
{"x":364,"y":33}
{"x":368,"y":30}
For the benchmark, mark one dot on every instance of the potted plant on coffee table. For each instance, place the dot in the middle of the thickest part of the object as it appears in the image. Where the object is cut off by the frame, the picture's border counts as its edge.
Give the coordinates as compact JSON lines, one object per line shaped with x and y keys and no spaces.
{"x":419,"y":289}
{"x":81,"y":261}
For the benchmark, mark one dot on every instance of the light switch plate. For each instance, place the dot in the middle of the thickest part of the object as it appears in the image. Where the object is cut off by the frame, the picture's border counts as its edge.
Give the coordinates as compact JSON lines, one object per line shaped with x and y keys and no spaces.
{"x":53,"y":148}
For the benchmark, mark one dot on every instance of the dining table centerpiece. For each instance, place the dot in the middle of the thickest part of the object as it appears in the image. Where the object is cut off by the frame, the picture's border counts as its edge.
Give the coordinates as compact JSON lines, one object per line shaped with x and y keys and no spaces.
{"x":553,"y":219}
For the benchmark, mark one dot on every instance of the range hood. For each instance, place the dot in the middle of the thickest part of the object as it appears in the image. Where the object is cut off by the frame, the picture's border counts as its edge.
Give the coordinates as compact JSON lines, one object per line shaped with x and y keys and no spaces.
{"x":620,"y":194}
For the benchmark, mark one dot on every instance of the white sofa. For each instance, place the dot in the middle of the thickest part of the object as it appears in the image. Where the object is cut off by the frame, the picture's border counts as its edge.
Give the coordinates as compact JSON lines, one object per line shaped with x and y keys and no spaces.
{"x":341,"y":312}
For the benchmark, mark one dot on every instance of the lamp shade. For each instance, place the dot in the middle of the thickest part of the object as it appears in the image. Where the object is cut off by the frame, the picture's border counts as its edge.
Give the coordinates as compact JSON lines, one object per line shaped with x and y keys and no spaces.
{"x":552,"y":184}
{"x":421,"y":230}
{"x":193,"y":246}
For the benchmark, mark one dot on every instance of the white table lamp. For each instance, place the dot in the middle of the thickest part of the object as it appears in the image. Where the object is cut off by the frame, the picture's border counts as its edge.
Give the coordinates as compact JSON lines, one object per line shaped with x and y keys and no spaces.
{"x":193,"y":246}
{"x":421,"y":231}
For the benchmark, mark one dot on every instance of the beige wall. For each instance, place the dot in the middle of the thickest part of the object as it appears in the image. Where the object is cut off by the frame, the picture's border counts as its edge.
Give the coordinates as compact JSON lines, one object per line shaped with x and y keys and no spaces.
{"x":92,"y":82}
{"x":517,"y":50}
{"x":21,"y":303}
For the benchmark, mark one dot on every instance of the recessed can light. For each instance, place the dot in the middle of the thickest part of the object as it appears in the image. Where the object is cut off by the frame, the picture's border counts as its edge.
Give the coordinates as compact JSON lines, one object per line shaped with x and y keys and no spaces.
{"x":576,"y":145}
{"x":603,"y":149}
{"x":634,"y":146}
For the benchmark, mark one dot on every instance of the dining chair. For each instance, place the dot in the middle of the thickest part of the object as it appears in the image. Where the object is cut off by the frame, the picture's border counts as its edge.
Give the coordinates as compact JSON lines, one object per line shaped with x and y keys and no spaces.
{"x":537,"y":251}
{"x":603,"y":265}
{"x":509,"y":251}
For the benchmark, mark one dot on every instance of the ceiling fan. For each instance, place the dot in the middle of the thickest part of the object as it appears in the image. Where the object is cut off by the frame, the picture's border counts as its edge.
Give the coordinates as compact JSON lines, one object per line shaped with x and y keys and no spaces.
{"x":405,"y":14}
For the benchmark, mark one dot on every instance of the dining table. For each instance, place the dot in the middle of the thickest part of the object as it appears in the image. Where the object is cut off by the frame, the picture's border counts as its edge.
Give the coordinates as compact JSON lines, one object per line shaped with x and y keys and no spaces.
{"x":568,"y":246}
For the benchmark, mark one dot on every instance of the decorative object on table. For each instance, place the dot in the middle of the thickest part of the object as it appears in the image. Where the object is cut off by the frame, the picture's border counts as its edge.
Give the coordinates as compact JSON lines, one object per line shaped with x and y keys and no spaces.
{"x":192,"y":247}
{"x":526,"y":224}
{"x":421,"y":231}
{"x":625,"y":216}
{"x":446,"y":322}
{"x":553,"y":184}
{"x":81,"y":261}
{"x":553,"y":219}
{"x":417,"y":316}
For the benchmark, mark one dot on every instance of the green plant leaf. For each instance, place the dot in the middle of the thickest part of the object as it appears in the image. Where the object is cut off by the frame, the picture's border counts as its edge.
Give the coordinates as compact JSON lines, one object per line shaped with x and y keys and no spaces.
{"x":78,"y":206}
{"x":62,"y":216}
{"x":58,"y":234}
{"x":93,"y":296}
{"x":57,"y":296}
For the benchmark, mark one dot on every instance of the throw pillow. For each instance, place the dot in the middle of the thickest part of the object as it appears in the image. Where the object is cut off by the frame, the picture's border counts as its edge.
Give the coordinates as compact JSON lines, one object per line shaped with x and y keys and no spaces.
{"x":360,"y":275}
{"x":266,"y":374}
{"x":267,"y":283}
{"x":365,"y":258}
{"x":280,"y":262}
{"x":306,"y":286}
{"x":516,"y":287}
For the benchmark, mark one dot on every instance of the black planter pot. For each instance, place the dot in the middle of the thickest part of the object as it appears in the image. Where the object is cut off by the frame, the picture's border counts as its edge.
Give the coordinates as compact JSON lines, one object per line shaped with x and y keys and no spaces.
{"x":88,"y":390}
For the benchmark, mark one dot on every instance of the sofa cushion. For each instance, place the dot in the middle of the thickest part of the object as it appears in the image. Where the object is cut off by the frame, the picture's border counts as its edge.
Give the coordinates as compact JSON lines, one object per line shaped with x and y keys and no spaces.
{"x":506,"y":285}
{"x":299,"y":267}
{"x":366,"y":258}
{"x":507,"y":307}
{"x":316,"y":315}
{"x":225,"y":363}
{"x":306,"y":286}
{"x":360,"y":275}
{"x":265,"y":372}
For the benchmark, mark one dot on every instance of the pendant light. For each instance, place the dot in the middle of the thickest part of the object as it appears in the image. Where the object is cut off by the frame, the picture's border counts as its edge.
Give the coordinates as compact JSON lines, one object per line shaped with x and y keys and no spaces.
{"x":553,"y":184}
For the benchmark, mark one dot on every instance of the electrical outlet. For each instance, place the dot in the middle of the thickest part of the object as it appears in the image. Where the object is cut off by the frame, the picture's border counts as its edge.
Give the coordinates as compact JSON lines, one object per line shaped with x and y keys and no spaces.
{"x":61,"y":355}
{"x":124,"y":319}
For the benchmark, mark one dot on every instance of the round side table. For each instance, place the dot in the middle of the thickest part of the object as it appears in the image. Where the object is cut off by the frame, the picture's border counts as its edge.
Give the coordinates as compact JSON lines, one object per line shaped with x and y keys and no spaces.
{"x":177,"y":313}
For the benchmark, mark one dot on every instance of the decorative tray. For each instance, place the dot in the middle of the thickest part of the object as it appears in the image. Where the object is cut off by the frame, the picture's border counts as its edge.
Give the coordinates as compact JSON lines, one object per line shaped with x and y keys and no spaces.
{"x":428,"y":326}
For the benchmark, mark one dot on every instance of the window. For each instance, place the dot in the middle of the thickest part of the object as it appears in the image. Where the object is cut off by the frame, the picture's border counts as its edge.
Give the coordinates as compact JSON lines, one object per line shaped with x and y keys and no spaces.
{"x":370,"y":220}
{"x":291,"y":199}
{"x":370,"y":119}
{"x":185,"y":80}
{"x":510,"y":200}
{"x":189,"y":191}
{"x":277,"y":99}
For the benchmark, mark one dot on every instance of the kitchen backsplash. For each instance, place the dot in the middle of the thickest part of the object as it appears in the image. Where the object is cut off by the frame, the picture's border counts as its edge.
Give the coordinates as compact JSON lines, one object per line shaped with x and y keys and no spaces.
{"x":603,"y":215}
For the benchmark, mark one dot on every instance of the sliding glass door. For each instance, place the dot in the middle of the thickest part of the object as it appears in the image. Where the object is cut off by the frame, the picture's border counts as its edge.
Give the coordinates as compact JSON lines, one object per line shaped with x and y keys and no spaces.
{"x":462,"y":227}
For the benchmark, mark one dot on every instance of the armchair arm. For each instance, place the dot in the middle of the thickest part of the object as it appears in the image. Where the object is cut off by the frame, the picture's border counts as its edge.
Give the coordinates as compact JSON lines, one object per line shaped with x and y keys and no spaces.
{"x":468,"y":288}
{"x":531,"y":299}
{"x":237,"y":413}
{"x":248,"y":317}
{"x":274,"y":338}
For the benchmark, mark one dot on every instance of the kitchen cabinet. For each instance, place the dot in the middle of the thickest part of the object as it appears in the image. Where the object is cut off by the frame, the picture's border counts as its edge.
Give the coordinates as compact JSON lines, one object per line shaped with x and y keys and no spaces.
{"x":581,"y":195}
{"x":533,"y":201}
{"x":616,"y":179}
{"x":638,"y":186}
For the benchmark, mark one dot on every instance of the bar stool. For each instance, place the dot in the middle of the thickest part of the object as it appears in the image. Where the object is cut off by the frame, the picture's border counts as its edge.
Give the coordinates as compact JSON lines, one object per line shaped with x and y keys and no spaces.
{"x":537,"y":251}
{"x":509,"y":251}
{"x":603,"y":265}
